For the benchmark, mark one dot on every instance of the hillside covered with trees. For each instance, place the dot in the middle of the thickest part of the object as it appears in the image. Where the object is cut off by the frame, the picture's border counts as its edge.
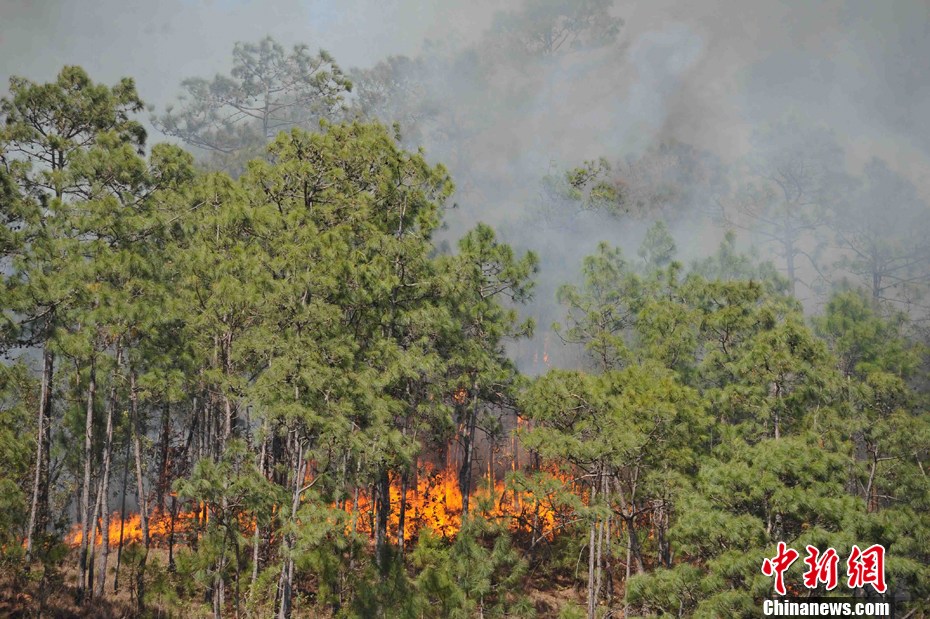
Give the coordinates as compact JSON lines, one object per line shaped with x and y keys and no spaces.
{"x":265,"y":369}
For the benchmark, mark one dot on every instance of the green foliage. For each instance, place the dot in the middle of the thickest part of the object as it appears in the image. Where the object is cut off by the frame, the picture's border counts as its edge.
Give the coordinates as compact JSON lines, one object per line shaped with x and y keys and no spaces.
{"x":729,"y":264}
{"x":479,"y":573}
{"x":669,"y":181}
{"x":306,"y":347}
{"x":788,"y":430}
{"x":864,"y":340}
{"x":600,"y":312}
{"x":590,"y":187}
{"x":386,"y":592}
{"x":658,"y":247}
{"x":238,"y":498}
{"x":18,"y":395}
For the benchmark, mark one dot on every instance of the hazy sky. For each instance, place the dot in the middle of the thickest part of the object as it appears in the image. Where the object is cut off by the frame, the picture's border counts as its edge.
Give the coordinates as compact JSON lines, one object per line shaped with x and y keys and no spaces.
{"x":160,"y":43}
{"x":858,"y":65}
{"x":704,"y":72}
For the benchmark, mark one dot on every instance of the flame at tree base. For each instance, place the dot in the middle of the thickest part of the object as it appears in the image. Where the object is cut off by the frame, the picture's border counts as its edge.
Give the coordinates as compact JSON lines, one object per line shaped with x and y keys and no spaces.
{"x":130,"y":529}
{"x":435,"y":502}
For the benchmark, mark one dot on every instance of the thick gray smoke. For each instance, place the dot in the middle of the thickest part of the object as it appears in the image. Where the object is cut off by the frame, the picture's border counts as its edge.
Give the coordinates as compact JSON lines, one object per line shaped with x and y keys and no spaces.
{"x":703,"y":74}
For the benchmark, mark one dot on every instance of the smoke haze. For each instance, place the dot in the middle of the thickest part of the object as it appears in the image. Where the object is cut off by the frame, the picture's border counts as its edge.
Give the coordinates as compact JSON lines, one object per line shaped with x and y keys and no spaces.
{"x":705,"y":74}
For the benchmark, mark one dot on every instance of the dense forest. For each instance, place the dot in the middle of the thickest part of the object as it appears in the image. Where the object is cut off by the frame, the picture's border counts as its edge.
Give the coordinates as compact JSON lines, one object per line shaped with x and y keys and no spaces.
{"x":268,"y":367}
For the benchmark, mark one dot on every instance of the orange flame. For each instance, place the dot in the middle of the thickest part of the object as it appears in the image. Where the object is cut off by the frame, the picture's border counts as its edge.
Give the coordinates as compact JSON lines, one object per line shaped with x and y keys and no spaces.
{"x":131,"y":528}
{"x":435,"y":502}
{"x":460,"y":395}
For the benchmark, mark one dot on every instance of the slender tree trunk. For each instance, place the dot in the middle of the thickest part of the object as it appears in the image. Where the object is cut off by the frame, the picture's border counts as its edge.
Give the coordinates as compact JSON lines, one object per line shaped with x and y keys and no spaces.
{"x":608,"y":573}
{"x":38,"y":509}
{"x":219,"y":584}
{"x":164,"y":444}
{"x":775,"y":391}
{"x":104,"y":503}
{"x":626,"y":581}
{"x":229,"y":418}
{"x":635,"y":547}
{"x":789,"y":261}
{"x":402,"y":514}
{"x":257,"y":539}
{"x":219,"y":590}
{"x":599,"y":561}
{"x":592,"y":600}
{"x":122,"y":516}
{"x":353,"y":521}
{"x":135,"y":422}
{"x":236,"y":593}
{"x":870,"y":495}
{"x":471,"y":424}
{"x":629,"y":517}
{"x":286,"y":582}
{"x":173,"y":517}
{"x":92,"y":543}
{"x":85,"y":488}
{"x":665,"y":551}
{"x":105,"y":480}
{"x":382,"y":513}
{"x":174,"y":499}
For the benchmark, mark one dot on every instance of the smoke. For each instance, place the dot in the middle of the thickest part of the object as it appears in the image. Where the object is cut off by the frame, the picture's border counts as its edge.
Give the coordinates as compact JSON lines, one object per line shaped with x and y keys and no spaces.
{"x":660,"y":59}
{"x":706,"y":74}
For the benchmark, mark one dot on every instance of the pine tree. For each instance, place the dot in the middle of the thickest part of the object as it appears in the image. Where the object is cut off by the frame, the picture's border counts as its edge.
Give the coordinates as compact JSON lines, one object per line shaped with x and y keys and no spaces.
{"x":268,"y":90}
{"x":46,"y":128}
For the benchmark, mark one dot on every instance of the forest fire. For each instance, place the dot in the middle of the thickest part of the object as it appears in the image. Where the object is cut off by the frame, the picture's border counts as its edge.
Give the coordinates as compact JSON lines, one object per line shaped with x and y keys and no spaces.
{"x":130,"y":530}
{"x":435,"y":502}
{"x":540,"y":307}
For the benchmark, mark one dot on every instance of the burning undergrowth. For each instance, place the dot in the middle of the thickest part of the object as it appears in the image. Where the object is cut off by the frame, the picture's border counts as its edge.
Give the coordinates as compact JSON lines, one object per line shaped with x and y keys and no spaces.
{"x":532,"y":504}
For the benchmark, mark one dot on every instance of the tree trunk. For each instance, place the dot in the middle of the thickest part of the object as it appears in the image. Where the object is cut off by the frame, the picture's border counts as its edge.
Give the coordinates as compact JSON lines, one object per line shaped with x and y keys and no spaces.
{"x":789,"y":261}
{"x":257,"y":540}
{"x":592,"y":602}
{"x":38,"y":509}
{"x":140,"y":489}
{"x":219,"y":601}
{"x":626,"y":581}
{"x":665,"y":548}
{"x":382,"y":513}
{"x":608,"y":572}
{"x":229,"y":418}
{"x":634,"y":552}
{"x":164,"y":443}
{"x":105,"y":480}
{"x":635,"y":546}
{"x":599,"y":560}
{"x":92,"y":542}
{"x":471,"y":424}
{"x":286,"y":582}
{"x":871,"y":500}
{"x":122,"y":516}
{"x":402,"y":514}
{"x":85,"y":488}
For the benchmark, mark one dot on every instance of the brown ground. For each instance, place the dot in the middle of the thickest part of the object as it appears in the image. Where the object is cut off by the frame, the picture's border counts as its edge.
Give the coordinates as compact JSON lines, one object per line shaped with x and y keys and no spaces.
{"x":56,"y":596}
